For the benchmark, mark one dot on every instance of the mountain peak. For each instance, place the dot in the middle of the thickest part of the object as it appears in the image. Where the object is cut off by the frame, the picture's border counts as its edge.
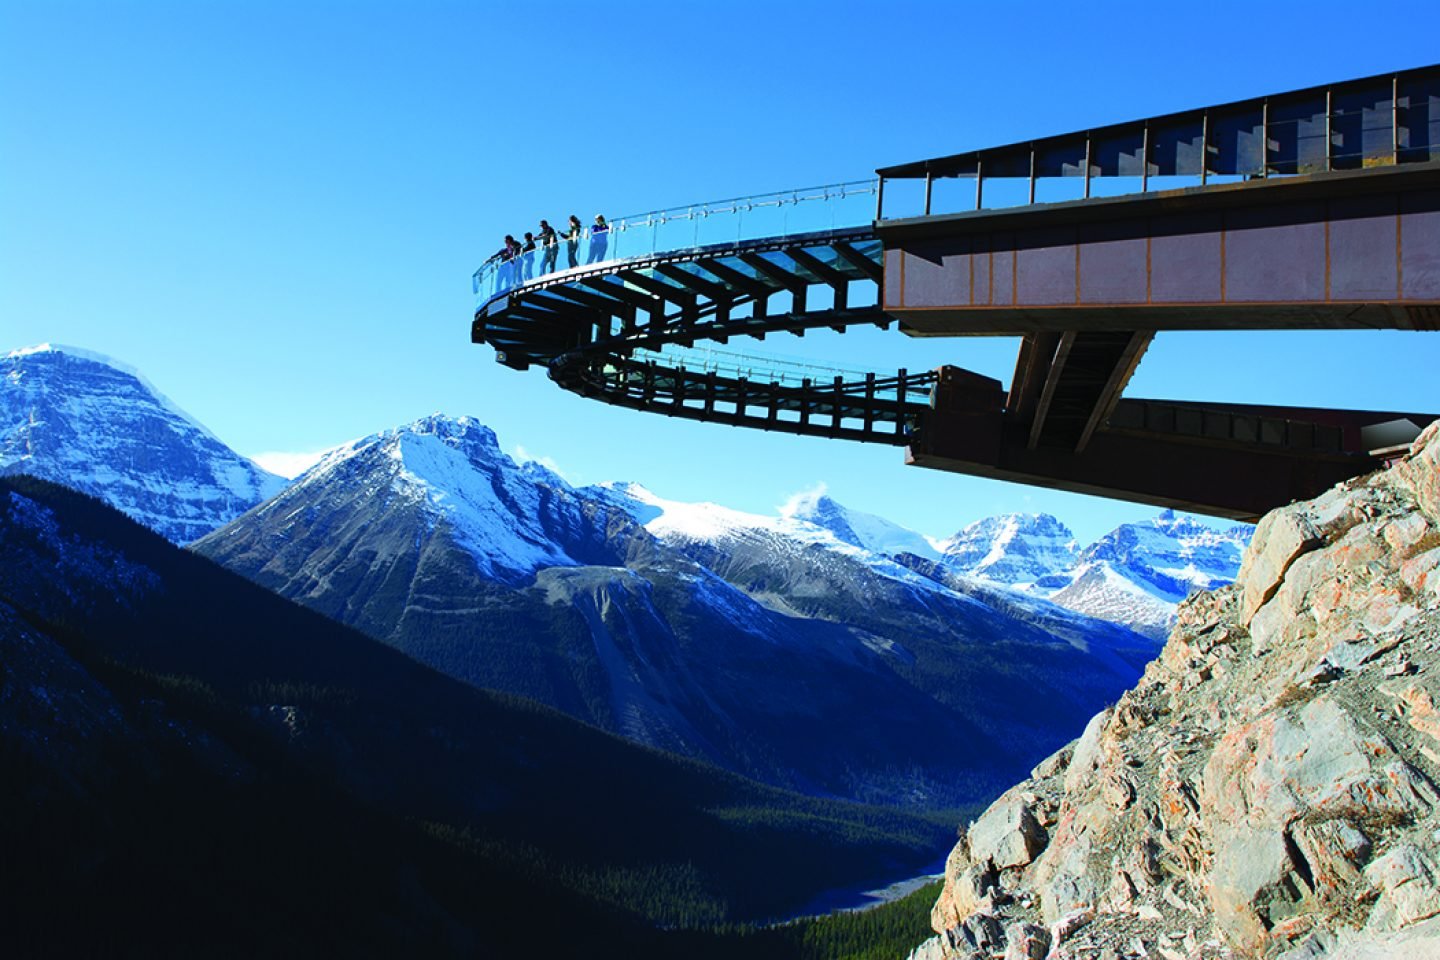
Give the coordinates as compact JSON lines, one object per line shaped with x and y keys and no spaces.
{"x":863,"y":530}
{"x":1012,"y":548}
{"x":80,"y":418}
{"x":46,"y":354}
{"x":459,"y":431}
{"x":410,"y":444}
{"x":807,"y":503}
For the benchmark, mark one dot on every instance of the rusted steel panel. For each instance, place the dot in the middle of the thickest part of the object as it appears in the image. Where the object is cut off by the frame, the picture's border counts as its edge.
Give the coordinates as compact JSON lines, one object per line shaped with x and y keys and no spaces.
{"x":1275,"y":255}
{"x":894,"y":293}
{"x":933,"y":275}
{"x":1420,"y":246}
{"x":1186,"y":260}
{"x":1309,"y":254}
{"x":1002,"y":270}
{"x":1113,"y":266}
{"x":1045,"y":266}
{"x":1363,"y":261}
{"x":980,"y":267}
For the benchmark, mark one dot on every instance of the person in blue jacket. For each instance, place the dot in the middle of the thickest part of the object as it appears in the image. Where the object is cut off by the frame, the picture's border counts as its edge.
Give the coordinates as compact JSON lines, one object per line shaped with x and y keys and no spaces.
{"x":599,"y":239}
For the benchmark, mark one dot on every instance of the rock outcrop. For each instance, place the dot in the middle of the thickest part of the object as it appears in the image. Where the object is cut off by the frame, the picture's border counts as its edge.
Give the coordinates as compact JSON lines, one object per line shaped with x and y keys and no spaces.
{"x":1269,"y":789}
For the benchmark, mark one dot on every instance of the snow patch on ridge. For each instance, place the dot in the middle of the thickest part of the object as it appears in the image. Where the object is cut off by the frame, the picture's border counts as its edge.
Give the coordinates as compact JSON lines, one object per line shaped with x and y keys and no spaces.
{"x":119,"y":366}
{"x":499,"y":529}
{"x":80,"y":418}
{"x":864,"y":530}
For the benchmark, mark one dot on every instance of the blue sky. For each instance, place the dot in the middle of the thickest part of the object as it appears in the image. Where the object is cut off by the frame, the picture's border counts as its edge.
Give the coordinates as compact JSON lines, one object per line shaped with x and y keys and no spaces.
{"x":273,"y":209}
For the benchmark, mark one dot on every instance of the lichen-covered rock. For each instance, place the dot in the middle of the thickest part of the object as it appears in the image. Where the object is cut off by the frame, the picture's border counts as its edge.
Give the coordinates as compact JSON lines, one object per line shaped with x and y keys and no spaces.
{"x":1406,"y":880}
{"x":1007,"y":834}
{"x":1026,"y":941}
{"x":1269,"y":788}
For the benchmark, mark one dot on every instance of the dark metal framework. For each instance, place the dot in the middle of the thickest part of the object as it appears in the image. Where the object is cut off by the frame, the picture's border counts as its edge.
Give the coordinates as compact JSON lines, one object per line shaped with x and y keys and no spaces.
{"x":1391,"y":118}
{"x":1351,"y":170}
{"x":585,"y":328}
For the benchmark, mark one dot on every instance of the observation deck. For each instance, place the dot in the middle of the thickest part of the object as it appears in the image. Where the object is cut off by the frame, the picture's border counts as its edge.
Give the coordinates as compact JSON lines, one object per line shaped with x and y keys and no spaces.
{"x":1317,"y":208}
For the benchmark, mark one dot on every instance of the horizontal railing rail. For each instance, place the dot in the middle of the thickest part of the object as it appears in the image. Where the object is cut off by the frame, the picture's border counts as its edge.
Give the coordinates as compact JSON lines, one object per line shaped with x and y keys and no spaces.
{"x":770,"y":369}
{"x":676,"y":229}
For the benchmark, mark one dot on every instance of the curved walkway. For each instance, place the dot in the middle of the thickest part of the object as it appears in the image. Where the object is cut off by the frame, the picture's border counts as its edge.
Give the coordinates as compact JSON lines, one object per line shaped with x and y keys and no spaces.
{"x":1062,"y":242}
{"x":586,"y":325}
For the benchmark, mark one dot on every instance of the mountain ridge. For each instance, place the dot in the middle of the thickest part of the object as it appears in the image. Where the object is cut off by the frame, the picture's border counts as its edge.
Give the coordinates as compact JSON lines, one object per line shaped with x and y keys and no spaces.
{"x":108,"y":612}
{"x":759,"y":644}
{"x":85,"y":420}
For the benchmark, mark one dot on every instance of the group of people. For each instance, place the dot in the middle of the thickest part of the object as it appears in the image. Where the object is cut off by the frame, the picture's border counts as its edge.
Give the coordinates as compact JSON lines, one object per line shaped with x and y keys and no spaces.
{"x":516,"y":259}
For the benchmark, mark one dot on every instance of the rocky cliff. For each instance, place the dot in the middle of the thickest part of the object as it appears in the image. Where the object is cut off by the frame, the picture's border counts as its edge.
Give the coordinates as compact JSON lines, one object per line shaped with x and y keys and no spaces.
{"x":1269,"y":789}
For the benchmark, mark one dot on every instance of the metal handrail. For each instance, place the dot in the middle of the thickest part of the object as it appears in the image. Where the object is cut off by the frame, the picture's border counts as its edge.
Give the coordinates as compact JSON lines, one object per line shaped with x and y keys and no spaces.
{"x":487,"y":281}
{"x":777,"y":369}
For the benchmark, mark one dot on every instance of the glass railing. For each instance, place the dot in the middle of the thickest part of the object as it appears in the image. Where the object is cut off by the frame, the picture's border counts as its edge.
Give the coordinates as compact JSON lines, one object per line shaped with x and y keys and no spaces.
{"x":787,"y":213}
{"x":1229,"y":150}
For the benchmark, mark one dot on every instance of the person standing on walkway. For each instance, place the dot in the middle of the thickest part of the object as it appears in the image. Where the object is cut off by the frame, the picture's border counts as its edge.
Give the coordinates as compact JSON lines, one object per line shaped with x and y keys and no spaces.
{"x":549,"y":247}
{"x":599,"y":239}
{"x":572,"y":240}
{"x":527,"y":257}
{"x":507,"y":255}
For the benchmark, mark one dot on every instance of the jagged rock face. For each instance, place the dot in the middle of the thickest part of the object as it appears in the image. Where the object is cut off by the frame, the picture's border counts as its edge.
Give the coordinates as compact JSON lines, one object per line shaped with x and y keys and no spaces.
{"x":82,"y":420}
{"x":1270,"y":787}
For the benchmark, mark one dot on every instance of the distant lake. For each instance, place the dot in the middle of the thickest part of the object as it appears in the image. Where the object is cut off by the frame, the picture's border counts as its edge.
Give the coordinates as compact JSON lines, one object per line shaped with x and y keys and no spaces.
{"x":853,"y":899}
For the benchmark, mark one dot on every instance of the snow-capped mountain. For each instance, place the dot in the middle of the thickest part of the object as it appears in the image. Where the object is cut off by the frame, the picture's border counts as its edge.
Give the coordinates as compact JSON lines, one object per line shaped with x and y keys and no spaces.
{"x":507,"y":518}
{"x":1138,"y":572}
{"x":317,"y":745}
{"x":86,"y":421}
{"x":1017,"y":549}
{"x":863,"y":530}
{"x":769,"y":645}
{"x":1134,"y":576}
{"x":819,"y":648}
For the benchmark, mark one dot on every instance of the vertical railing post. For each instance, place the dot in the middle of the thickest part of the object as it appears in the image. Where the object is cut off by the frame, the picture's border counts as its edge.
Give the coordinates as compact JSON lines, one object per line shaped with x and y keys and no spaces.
{"x":1395,"y":119}
{"x":1204,"y":146}
{"x":929,"y":188}
{"x":1145,"y":158}
{"x":880,"y":201}
{"x":900,"y":401}
{"x":979,"y":182}
{"x":1087,"y":164}
{"x":1032,"y":173}
{"x":1265,"y":139}
{"x":869,"y":402}
{"x":1329,"y":131}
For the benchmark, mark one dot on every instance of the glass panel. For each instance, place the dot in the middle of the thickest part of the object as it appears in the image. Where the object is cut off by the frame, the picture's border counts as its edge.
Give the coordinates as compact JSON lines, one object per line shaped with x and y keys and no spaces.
{"x":996,"y":193}
{"x":720,"y":223}
{"x":904,"y":198}
{"x":1114,"y":186}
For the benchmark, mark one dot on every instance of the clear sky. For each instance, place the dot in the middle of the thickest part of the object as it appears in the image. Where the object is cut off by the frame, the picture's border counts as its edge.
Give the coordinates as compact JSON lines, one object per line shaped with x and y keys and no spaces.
{"x":273,"y":209}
